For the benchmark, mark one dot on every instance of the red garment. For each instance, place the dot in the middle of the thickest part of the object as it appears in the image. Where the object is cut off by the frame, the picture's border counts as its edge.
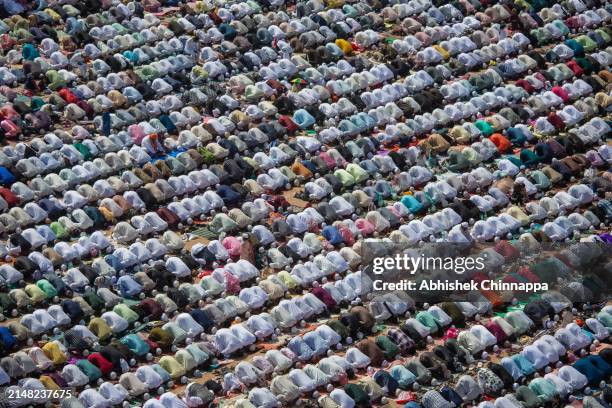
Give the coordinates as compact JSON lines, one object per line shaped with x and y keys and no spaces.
{"x":68,"y":96}
{"x":556,"y":121}
{"x":288,"y":123}
{"x":215,"y":17}
{"x":11,"y":130}
{"x":8,"y":92}
{"x":152,"y":308}
{"x":525,"y":85}
{"x":576,"y":69}
{"x":526,"y":273}
{"x":99,"y":361}
{"x":497,"y":331}
{"x":152,"y":345}
{"x":424,"y":38}
{"x":405,"y":397}
{"x":277,"y":201}
{"x":11,"y":199}
{"x":167,"y":215}
{"x":573,"y":22}
{"x":347,"y":235}
{"x":7,"y":112}
{"x":493,"y":297}
{"x":509,"y":252}
{"x":7,"y":42}
{"x":451,"y":334}
{"x":502,"y":143}
{"x":510,"y":279}
{"x":232,"y":284}
{"x":324,"y":297}
{"x":328,"y":160}
{"x":279,"y":89}
{"x":356,"y":47}
{"x":479,"y":277}
{"x":365,"y":227}
{"x":540,"y":77}
{"x":152,"y":6}
{"x":561,"y":93}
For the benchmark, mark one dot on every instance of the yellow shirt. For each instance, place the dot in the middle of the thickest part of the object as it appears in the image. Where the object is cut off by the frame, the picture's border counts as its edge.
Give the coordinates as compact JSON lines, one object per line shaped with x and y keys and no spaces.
{"x":442,"y":51}
{"x":345,"y":46}
{"x":54,"y":352}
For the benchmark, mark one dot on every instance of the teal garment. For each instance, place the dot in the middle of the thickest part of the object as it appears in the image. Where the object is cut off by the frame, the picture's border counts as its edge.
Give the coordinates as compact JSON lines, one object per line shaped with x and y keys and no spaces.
{"x":516,"y":136}
{"x":29,"y":52}
{"x":131,"y":56}
{"x":91,"y":371}
{"x":350,"y":11}
{"x":515,"y":160}
{"x":523,"y":364}
{"x":136,"y":344}
{"x":538,"y":5}
{"x":576,"y":47}
{"x":47,"y":287}
{"x":588,"y":45}
{"x":229,"y":32}
{"x":484,"y":128}
{"x":605,"y":319}
{"x":303,"y":119}
{"x":36,"y":104}
{"x":348,"y":127}
{"x":543,"y":388}
{"x":427,"y":320}
{"x":590,"y":335}
{"x":389,"y":348}
{"x":359,"y":122}
{"x":550,"y":269}
{"x":412,"y":204}
{"x":367,"y":119}
{"x":561,"y":26}
{"x":403,"y":376}
{"x":168,"y":123}
{"x":529,"y":157}
{"x":519,"y":278}
{"x":540,"y":180}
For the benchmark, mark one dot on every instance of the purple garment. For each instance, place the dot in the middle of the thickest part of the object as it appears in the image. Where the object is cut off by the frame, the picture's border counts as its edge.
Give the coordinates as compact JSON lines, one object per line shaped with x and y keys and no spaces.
{"x":59,"y":380}
{"x":606,"y":237}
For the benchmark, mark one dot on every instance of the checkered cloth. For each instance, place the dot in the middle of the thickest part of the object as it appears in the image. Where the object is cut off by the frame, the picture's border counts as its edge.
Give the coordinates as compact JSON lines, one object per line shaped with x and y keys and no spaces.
{"x":400,"y":338}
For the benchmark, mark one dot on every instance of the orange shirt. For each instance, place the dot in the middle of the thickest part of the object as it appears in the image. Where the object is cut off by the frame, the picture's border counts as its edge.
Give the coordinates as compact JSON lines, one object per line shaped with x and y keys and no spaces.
{"x":502,"y":143}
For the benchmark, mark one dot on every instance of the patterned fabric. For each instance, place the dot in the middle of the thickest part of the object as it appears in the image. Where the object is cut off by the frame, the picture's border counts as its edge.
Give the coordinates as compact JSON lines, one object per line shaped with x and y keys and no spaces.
{"x":400,"y":339}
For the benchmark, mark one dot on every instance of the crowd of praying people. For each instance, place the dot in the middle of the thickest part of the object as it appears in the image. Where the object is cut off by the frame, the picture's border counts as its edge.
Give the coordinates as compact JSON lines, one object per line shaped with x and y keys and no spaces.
{"x":186,"y":189}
